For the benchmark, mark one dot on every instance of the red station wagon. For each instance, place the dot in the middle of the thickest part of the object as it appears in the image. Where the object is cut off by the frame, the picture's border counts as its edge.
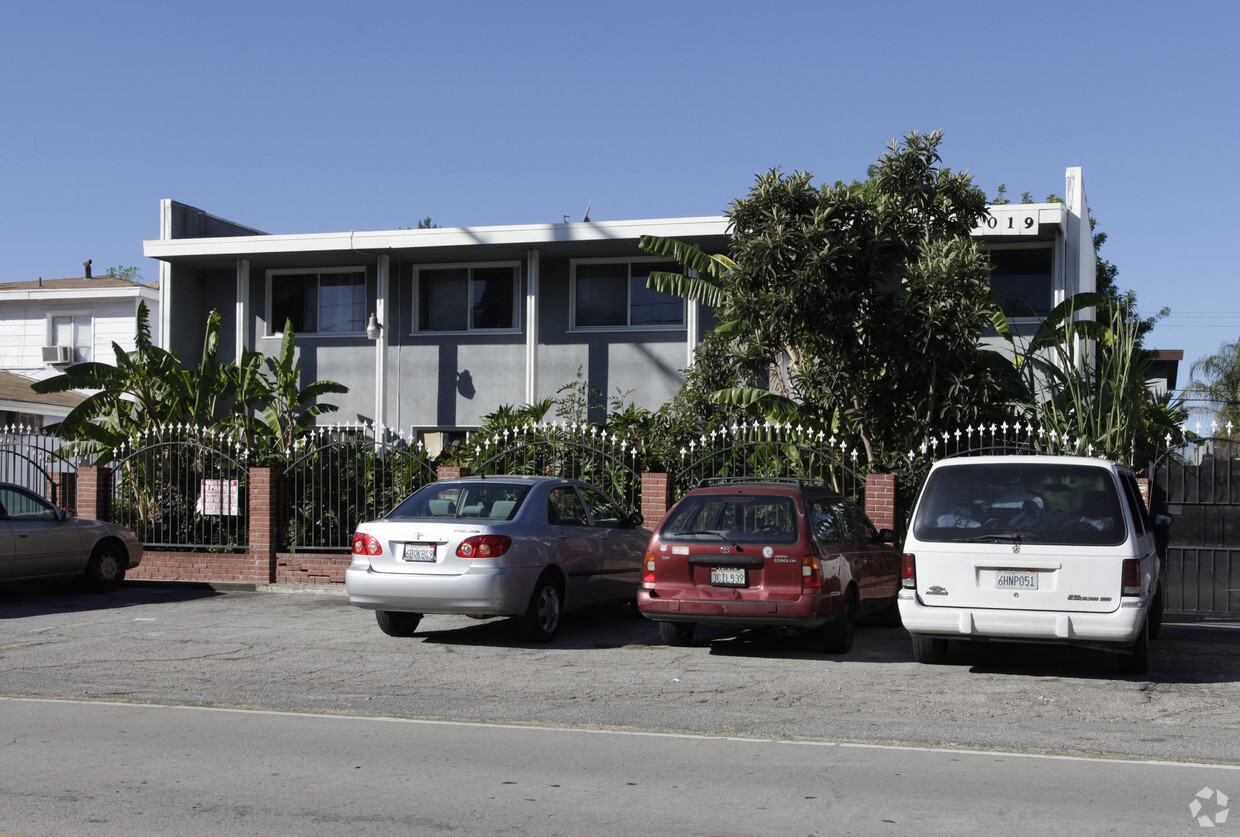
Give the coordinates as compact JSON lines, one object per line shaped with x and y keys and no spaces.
{"x":778,"y":553}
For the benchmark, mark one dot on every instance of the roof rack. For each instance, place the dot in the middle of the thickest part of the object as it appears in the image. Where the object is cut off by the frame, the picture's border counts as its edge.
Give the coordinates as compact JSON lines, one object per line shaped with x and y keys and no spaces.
{"x":797,"y":481}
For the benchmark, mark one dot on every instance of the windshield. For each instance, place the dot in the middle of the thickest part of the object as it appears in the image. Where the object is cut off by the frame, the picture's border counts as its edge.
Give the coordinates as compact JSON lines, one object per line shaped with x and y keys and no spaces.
{"x":735,"y":518}
{"x":489,"y":501}
{"x":1032,"y":502}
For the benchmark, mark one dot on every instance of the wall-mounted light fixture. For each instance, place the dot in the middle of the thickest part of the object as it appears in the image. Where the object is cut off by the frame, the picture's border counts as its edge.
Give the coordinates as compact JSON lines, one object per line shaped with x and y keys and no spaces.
{"x":373,"y":330}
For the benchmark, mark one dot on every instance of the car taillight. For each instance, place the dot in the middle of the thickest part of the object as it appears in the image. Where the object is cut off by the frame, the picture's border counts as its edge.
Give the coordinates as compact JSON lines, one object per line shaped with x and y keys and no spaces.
{"x":484,"y":546}
{"x":648,"y":569}
{"x":1132,"y":577}
{"x":364,"y":544}
{"x":908,"y":571}
{"x":811,"y":573}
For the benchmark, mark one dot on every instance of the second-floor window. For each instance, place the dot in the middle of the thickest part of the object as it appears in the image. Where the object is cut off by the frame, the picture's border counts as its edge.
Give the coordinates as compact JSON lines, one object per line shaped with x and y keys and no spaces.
{"x":326,"y":301}
{"x":613,"y":294}
{"x":1023,"y":279}
{"x":479,"y":297}
{"x":74,"y":330}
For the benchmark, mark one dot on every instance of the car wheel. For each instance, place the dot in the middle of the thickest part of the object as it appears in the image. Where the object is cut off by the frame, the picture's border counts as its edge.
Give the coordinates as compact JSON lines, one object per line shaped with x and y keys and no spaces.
{"x":1156,"y":614}
{"x":677,"y":633}
{"x":837,"y":637}
{"x":542,"y":617}
{"x":1137,"y":659}
{"x":397,"y":623}
{"x":106,"y":569}
{"x":929,"y":649}
{"x":889,"y":617}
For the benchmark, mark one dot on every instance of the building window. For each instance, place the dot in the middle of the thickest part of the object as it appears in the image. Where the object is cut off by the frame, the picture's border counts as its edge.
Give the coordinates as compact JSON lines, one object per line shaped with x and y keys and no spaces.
{"x":75,"y":331}
{"x":327,"y":301}
{"x":1023,"y":279}
{"x":466,"y":297}
{"x":613,"y":294}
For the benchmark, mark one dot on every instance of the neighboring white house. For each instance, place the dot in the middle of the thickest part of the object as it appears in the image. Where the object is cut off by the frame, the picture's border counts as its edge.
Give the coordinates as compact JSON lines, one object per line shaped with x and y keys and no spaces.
{"x":464,"y":320}
{"x":47,"y":325}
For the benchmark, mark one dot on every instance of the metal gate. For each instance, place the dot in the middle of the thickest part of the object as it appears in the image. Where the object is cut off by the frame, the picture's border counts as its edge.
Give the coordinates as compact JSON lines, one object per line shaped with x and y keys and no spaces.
{"x":1199,"y":485}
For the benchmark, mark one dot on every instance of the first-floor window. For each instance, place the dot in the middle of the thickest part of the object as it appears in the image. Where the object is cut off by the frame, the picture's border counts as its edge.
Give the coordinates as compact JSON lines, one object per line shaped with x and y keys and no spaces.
{"x":467,"y":298}
{"x":1023,"y":280}
{"x":613,"y":294}
{"x":331,"y":300}
{"x":76,"y":331}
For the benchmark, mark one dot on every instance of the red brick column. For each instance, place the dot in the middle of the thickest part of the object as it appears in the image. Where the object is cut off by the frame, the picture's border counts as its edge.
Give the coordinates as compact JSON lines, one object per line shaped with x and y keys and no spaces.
{"x":1143,"y":483}
{"x":443,"y":472}
{"x":656,"y":498}
{"x":94,"y":492}
{"x":264,"y":523}
{"x":880,"y":499}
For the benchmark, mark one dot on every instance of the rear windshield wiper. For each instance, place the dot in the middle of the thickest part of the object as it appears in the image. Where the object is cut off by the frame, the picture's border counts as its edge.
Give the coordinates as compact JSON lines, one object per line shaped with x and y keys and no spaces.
{"x":721,"y":534}
{"x":1009,"y":537}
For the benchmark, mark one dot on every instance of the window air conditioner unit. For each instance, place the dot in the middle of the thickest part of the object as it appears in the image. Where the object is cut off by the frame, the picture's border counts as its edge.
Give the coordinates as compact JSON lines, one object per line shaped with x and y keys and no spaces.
{"x":57,"y":355}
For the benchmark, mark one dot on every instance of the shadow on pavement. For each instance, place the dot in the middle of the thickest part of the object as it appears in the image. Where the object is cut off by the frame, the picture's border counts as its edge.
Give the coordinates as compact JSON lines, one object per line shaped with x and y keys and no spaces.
{"x":38,"y":598}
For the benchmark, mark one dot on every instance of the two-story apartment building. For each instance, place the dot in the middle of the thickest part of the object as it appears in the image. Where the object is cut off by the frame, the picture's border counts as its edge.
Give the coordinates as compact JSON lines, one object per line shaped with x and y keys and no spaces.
{"x":46,"y":325}
{"x":432,"y":329}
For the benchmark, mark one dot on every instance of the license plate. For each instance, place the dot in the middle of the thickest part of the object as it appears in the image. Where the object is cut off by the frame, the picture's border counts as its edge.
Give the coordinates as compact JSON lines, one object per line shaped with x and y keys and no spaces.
{"x":419,"y":552}
{"x":1016,"y":580}
{"x":728,"y":577}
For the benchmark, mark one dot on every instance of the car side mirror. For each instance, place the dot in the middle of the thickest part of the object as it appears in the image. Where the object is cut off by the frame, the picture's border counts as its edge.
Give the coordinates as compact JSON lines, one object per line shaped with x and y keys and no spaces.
{"x":1163,"y":519}
{"x":635,"y":520}
{"x":887,"y":536}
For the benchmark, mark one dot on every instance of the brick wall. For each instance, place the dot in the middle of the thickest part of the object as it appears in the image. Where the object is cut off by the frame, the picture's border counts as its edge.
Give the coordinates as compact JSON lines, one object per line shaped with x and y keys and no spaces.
{"x":880,"y":500}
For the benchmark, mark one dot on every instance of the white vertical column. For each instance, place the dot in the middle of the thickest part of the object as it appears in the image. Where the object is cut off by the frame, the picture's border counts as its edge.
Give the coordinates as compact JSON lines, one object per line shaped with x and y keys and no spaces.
{"x":242,"y":324}
{"x":381,"y":344}
{"x":531,"y":326}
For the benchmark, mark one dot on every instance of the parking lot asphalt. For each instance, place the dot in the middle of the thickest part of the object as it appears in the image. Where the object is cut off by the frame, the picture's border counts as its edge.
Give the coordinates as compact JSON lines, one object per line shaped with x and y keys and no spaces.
{"x":310,"y":650}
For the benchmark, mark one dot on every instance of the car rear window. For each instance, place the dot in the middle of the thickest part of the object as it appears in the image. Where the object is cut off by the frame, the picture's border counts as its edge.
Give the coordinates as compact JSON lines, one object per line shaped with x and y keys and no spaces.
{"x":740,"y":518}
{"x":461,"y":501}
{"x":1042,"y":503}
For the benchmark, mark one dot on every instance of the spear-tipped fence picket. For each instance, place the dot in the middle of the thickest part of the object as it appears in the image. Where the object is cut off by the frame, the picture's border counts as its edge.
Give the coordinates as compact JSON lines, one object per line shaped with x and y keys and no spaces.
{"x":32,"y":458}
{"x":757,"y":450}
{"x":577,"y":451}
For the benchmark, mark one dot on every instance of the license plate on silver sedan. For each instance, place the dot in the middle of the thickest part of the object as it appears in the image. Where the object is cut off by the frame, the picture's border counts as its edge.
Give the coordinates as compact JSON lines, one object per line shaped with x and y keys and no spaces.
{"x":728,"y":577}
{"x":419,"y":552}
{"x":1016,"y":580}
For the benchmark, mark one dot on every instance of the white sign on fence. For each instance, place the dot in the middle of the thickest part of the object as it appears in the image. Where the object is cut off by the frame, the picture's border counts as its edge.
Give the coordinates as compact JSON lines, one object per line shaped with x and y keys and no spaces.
{"x":217,"y":497}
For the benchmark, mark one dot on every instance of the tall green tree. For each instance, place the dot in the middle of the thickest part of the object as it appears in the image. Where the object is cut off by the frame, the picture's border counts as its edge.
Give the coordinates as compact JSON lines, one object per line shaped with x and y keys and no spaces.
{"x":859,"y":305}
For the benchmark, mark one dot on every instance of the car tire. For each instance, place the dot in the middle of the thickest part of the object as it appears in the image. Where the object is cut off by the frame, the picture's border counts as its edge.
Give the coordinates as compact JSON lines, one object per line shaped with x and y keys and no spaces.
{"x":397,"y":622}
{"x":1137,"y":659}
{"x":1156,"y":614}
{"x":837,"y":636}
{"x":929,"y":650}
{"x":542,"y":616}
{"x":679,"y":634}
{"x":106,"y":569}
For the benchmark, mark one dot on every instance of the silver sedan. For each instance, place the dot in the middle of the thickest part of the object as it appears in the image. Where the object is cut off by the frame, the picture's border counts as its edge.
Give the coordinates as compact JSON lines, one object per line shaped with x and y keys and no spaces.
{"x":38,"y":540}
{"x":522,"y":546}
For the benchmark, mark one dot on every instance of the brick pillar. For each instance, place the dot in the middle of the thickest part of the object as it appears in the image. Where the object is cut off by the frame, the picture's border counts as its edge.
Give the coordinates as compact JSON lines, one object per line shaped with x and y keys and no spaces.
{"x":264,"y":523}
{"x":656,"y":498}
{"x":880,"y":500}
{"x":94,"y":492}
{"x":444,"y":472}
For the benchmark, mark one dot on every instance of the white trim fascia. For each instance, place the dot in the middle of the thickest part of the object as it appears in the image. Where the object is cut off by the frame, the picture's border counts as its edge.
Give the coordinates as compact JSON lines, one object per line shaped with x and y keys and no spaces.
{"x":83,"y":295}
{"x":531,"y":235}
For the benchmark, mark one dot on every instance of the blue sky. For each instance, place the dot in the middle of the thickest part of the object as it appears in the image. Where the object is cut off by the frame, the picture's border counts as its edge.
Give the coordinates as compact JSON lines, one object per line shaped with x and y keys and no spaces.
{"x":327,"y":116}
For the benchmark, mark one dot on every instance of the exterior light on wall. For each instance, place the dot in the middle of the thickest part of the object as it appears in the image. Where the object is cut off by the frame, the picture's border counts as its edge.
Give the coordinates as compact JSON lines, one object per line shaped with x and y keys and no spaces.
{"x":373,"y":329}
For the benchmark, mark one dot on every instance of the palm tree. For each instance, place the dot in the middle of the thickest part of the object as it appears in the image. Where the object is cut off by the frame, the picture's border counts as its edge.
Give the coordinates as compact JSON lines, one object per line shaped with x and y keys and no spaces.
{"x":1216,"y":380}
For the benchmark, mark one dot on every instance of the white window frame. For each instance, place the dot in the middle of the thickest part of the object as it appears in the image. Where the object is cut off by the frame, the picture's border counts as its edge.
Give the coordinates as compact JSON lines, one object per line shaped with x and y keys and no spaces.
{"x":74,"y":344}
{"x":514,"y":265}
{"x":277,"y":329}
{"x":572,"y":297}
{"x":1056,"y":277}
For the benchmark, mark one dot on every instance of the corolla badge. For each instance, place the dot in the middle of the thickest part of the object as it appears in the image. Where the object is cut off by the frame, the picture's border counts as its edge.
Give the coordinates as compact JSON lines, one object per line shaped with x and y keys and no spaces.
{"x":936,"y":590}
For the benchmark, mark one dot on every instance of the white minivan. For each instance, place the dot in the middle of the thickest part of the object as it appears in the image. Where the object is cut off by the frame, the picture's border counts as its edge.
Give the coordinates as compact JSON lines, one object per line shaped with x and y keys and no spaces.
{"x":1045,"y":549}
